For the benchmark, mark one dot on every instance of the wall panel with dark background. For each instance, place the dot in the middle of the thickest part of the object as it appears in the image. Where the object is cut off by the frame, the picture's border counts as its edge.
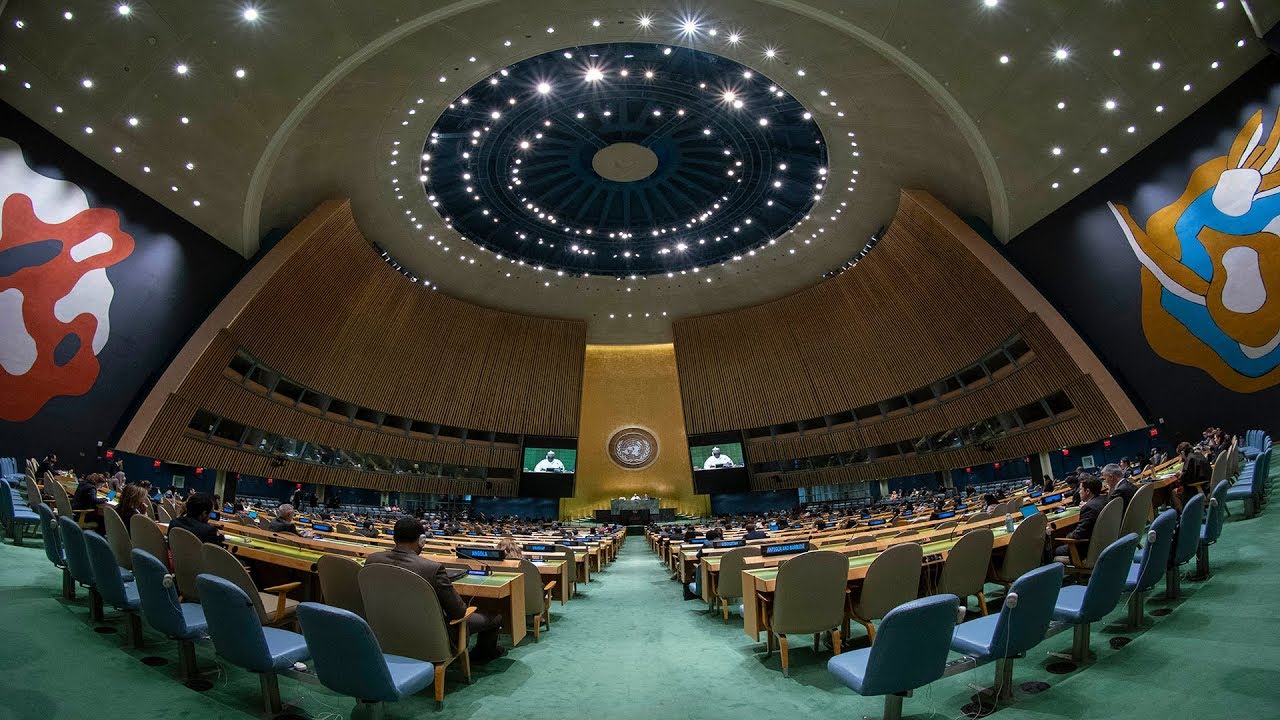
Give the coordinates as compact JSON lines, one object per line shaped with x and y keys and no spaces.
{"x":1080,"y":259}
{"x":174,"y":275}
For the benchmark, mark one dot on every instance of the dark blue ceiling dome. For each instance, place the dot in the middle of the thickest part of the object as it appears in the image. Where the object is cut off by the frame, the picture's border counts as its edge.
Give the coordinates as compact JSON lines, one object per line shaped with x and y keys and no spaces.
{"x":624,"y":159}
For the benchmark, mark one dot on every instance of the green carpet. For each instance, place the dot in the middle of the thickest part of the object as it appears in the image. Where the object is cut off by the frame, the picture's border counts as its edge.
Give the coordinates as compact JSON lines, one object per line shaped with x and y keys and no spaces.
{"x":629,"y":647}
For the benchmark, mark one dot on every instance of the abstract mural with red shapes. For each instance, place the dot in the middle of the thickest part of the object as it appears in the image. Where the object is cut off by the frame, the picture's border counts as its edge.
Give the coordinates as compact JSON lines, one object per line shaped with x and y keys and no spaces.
{"x":69,"y":295}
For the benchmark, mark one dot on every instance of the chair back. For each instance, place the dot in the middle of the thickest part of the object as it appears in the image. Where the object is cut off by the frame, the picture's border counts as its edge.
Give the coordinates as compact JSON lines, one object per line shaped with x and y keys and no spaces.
{"x":729,"y":584}
{"x":892,"y":580}
{"x":160,"y":606}
{"x":1221,"y":467}
{"x":49,"y":531}
{"x":911,"y":646}
{"x":188,"y":561}
{"x":535,"y":600}
{"x":170,"y":506}
{"x":965,"y":571}
{"x":1155,"y":557}
{"x":147,"y":535}
{"x":573,"y":563}
{"x":977,"y":517}
{"x":1217,"y":507}
{"x":60,"y":498}
{"x":1025,"y":548}
{"x":339,"y":584}
{"x":809,"y":593}
{"x":1018,"y":629}
{"x":1106,"y":582}
{"x":163,"y":515}
{"x":345,"y":653}
{"x":404,"y":612}
{"x":233,"y":623}
{"x":77,"y":556}
{"x":217,"y":561}
{"x":106,"y":573}
{"x":1188,"y":537}
{"x":118,"y":537}
{"x":33,"y":492}
{"x":1105,"y":531}
{"x":1138,"y":512}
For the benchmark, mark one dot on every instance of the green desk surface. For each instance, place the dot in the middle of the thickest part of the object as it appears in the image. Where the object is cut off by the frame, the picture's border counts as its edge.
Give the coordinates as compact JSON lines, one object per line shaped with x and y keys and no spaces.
{"x":285,"y":550}
{"x":498,"y":579}
{"x":932,"y":548}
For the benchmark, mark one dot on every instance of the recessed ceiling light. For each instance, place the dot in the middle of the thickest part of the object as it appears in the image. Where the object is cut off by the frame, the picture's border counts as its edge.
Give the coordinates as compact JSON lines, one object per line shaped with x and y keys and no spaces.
{"x":1104,"y":150}
{"x":544,"y":88}
{"x":87,"y":83}
{"x":1131,"y":129}
{"x":764,"y":121}
{"x":123,"y":9}
{"x":250,"y":14}
{"x":185,"y":120}
{"x":1240,"y":42}
{"x":196,"y":203}
{"x":595,"y":23}
{"x":734,"y":38}
{"x":1075,"y":170}
{"x":594,"y":74}
{"x":645,"y":21}
{"x":181,"y":68}
{"x":57,"y":109}
{"x":770,"y":53}
{"x":67,"y":15}
{"x":990,"y":3}
{"x":240,"y":73}
{"x":1061,"y":53}
{"x":1054,"y":186}
{"x":19,"y":24}
{"x":191,"y":166}
{"x":1186,"y":88}
{"x":146,"y":168}
{"x":1116,"y":52}
{"x":1213,"y":65}
{"x":1062,"y":105}
{"x":1156,"y":65}
{"x":1004,"y":59}
{"x":1159,"y":108}
{"x":1109,"y":104}
{"x":1057,"y":151}
{"x":88,"y":130}
{"x":550,"y":30}
{"x":1220,"y":5}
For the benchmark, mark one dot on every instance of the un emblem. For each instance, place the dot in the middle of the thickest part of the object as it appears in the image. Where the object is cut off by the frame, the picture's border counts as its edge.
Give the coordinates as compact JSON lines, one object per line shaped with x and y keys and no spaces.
{"x":1209,"y":262}
{"x":633,"y":448}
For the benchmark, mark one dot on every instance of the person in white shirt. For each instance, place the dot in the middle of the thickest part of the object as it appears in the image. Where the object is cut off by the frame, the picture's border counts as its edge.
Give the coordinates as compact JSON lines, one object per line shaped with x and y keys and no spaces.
{"x":635,"y":497}
{"x":549,"y":464}
{"x":716,"y":460}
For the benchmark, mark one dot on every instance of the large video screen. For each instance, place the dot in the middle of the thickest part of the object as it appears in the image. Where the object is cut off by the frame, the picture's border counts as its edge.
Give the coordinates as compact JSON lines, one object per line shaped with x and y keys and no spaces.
{"x":549,"y":460}
{"x":723,"y":456}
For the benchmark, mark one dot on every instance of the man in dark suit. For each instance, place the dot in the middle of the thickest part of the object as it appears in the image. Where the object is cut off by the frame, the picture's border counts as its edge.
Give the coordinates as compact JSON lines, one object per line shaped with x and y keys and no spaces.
{"x":1093,"y":502}
{"x":1117,"y":485}
{"x":195,"y":519}
{"x":407,"y":554}
{"x":284,"y":521}
{"x":754,"y":534}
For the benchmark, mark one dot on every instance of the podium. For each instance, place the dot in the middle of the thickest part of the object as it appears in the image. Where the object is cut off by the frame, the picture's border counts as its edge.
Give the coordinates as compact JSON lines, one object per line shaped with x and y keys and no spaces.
{"x":634,"y":512}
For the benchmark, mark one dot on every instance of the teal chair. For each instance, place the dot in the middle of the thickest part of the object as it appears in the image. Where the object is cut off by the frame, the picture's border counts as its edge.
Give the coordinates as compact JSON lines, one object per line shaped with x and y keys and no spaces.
{"x":1185,"y":544}
{"x":78,"y":563}
{"x":910,"y":652}
{"x":1019,"y":626}
{"x":114,"y":590}
{"x":1150,"y":565}
{"x":1211,"y":530}
{"x":15,"y":515}
{"x":53,"y":549}
{"x":179,"y":621}
{"x":239,"y":637}
{"x":348,"y":661}
{"x":1083,"y":605}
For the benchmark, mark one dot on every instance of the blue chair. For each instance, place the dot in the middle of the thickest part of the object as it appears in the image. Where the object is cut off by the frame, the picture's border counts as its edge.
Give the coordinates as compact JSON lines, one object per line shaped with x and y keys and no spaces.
{"x":1185,"y":544}
{"x":1020,"y":626}
{"x":239,"y":637}
{"x":1211,"y":530}
{"x":53,"y":549}
{"x":1145,"y":573}
{"x":910,"y":652}
{"x":15,"y":515}
{"x":78,"y":563}
{"x":1083,"y":605}
{"x":347,"y":658}
{"x":179,"y":621}
{"x":106,"y":576}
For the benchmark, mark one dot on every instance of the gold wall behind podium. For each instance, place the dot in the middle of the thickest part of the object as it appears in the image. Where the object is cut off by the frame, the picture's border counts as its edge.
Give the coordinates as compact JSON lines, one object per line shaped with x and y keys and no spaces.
{"x":625,"y":386}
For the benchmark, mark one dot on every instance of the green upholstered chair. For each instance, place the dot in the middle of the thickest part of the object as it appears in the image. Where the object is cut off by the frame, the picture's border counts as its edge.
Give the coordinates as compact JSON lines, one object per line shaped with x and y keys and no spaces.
{"x":808,"y":598}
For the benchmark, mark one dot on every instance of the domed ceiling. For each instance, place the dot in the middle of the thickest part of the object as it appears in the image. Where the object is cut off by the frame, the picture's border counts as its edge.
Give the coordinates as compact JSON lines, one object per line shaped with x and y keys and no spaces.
{"x":751,"y":146}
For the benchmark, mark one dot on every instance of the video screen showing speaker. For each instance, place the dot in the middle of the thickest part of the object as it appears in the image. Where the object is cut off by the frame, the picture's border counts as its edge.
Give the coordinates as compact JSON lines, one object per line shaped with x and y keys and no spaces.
{"x":547,"y":466}
{"x":719,"y":463}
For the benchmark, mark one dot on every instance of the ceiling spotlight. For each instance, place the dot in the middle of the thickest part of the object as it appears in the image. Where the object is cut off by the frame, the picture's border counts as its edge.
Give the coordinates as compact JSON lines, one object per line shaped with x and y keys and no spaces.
{"x":689,"y":26}
{"x":240,"y":73}
{"x":1061,"y":54}
{"x":550,"y":30}
{"x":123,"y":9}
{"x":57,"y":109}
{"x":1062,"y":105}
{"x":764,"y":121}
{"x":1159,"y":108}
{"x":734,"y":38}
{"x":595,"y":23}
{"x":191,"y":166}
{"x":594,"y":74}
{"x":648,"y":74}
{"x":770,"y":53}
{"x":1004,"y":59}
{"x":1156,"y":65}
{"x":67,"y":15}
{"x":1057,"y":151}
{"x":87,"y":83}
{"x":184,"y":120}
{"x":1131,"y":129}
{"x":1075,"y":170}
{"x":181,"y":68}
{"x":645,"y":21}
{"x":250,"y":14}
{"x":1240,"y":42}
{"x":729,"y":96}
{"x":990,"y":3}
{"x":1116,"y":52}
{"x":88,"y":130}
{"x":544,"y":88}
{"x":1109,"y":104}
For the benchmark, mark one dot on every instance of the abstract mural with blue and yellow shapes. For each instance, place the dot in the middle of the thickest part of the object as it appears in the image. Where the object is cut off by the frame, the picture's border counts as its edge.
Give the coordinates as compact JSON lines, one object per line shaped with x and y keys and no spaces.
{"x":1211,"y":265}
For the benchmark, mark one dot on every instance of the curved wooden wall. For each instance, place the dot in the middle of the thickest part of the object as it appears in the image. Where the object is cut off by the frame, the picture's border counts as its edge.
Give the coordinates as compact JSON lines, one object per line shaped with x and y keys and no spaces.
{"x":931,"y":298}
{"x":324,"y":310}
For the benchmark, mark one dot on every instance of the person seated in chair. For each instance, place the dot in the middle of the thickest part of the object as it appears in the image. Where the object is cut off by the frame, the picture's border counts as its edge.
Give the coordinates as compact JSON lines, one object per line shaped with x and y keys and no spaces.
{"x":284,"y":521}
{"x":1116,"y":483}
{"x":195,"y":519}
{"x":407,"y":534}
{"x":367,"y":529}
{"x":86,"y":498}
{"x":1093,"y":502}
{"x":754,"y":534}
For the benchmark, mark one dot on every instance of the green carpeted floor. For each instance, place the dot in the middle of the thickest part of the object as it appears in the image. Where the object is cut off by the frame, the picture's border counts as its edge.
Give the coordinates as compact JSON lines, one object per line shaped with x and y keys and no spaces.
{"x":629,"y":647}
